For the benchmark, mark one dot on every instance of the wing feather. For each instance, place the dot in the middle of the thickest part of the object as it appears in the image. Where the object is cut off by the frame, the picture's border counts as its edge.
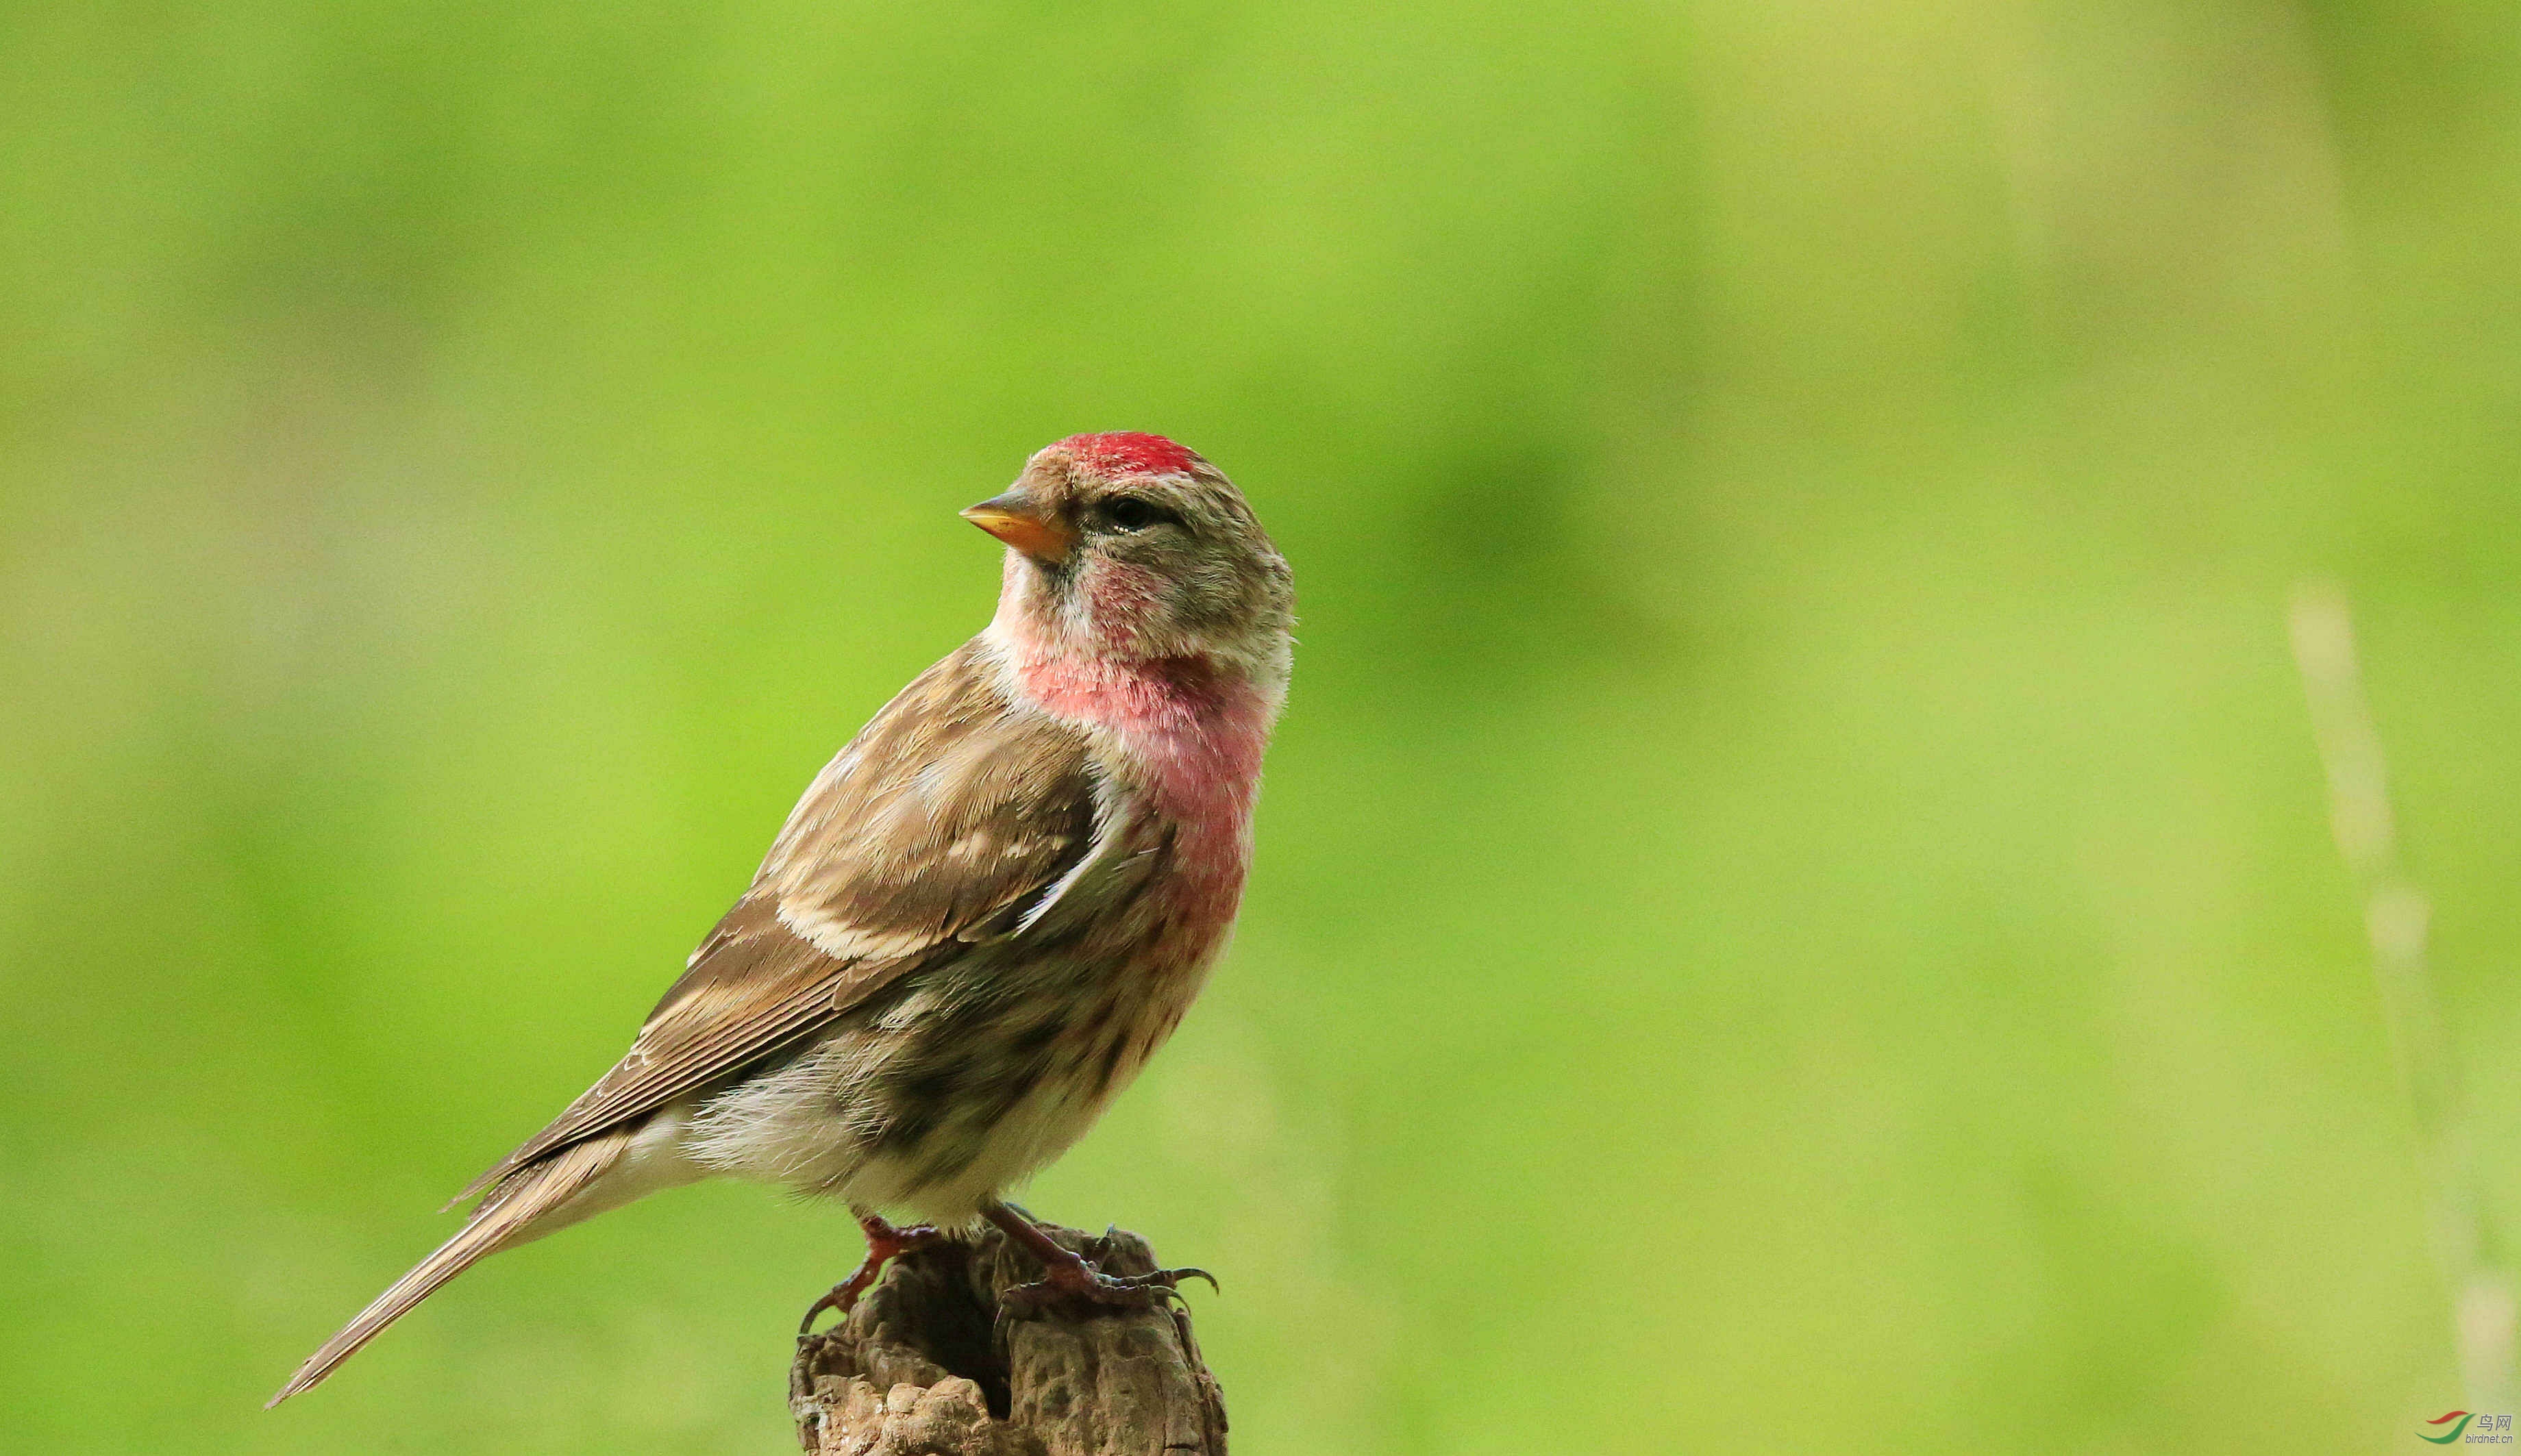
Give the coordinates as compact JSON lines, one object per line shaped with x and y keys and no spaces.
{"x":943,"y":823}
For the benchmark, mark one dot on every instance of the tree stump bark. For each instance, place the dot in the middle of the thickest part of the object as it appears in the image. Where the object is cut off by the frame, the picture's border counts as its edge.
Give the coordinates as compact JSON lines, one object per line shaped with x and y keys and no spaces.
{"x":925,"y":1366}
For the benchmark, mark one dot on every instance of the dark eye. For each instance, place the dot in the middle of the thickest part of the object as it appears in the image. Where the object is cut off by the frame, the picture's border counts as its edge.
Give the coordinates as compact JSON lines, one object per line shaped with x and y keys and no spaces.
{"x":1136,"y":513}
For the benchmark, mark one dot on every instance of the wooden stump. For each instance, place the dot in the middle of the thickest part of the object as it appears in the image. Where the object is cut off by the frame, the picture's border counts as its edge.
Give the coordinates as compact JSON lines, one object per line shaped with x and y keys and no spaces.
{"x":925,"y":1366}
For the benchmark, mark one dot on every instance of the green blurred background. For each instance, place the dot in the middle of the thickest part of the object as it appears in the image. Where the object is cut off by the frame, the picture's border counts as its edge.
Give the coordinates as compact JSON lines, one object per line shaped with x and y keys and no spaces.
{"x":1795,"y":902}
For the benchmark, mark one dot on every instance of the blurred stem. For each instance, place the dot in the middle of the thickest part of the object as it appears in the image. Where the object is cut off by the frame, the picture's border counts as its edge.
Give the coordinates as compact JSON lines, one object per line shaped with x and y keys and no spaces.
{"x":2396,"y":915}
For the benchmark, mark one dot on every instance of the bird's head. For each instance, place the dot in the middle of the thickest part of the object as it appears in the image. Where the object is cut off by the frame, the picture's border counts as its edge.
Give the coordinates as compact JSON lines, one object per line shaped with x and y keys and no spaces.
{"x":1128,"y":546}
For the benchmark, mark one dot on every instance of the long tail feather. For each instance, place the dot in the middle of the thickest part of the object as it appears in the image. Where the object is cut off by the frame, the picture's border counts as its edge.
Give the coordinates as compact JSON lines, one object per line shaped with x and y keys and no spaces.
{"x":524,"y":1196}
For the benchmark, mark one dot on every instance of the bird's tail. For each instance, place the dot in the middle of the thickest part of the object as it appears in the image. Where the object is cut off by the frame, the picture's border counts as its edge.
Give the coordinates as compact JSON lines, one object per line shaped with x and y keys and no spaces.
{"x":519,"y":1198}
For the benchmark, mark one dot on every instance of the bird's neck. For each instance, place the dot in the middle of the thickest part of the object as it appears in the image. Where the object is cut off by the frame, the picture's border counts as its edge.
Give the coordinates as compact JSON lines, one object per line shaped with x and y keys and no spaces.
{"x":1194,"y":727}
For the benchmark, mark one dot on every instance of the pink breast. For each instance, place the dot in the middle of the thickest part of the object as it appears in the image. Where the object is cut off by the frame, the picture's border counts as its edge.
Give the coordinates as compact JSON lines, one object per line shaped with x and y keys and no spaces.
{"x":1191,"y":737}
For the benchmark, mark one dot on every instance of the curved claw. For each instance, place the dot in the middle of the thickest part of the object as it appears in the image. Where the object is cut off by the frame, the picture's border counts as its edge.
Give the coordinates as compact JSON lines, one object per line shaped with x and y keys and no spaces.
{"x":839,"y":1296}
{"x":1169,"y":1281}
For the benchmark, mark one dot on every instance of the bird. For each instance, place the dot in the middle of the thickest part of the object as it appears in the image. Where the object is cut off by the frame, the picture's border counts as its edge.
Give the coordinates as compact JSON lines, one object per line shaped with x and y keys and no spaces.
{"x":982,"y":918}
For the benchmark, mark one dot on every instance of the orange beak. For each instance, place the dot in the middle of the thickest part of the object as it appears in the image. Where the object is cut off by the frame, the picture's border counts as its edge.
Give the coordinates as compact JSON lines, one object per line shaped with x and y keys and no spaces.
{"x":1015,"y":519}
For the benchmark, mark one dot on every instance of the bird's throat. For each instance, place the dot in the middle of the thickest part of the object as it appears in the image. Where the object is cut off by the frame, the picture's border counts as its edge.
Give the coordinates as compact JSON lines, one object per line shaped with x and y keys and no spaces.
{"x":1194,"y":731}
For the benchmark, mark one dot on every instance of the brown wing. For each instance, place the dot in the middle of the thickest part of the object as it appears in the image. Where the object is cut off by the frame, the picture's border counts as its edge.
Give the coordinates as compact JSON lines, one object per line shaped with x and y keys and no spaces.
{"x":941,"y":824}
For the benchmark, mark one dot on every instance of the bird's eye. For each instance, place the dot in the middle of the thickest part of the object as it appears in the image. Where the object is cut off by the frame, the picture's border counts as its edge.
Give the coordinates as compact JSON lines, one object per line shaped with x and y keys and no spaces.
{"x":1136,"y":513}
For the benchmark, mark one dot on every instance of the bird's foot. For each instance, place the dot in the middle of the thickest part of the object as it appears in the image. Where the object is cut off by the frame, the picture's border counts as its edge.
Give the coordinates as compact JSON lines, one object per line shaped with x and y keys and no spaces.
{"x":885,"y":1244}
{"x":1070,"y":1277}
{"x":1081,"y":1280}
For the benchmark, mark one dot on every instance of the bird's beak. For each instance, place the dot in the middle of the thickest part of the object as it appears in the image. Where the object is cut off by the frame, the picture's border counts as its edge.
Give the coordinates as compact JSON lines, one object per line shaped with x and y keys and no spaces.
{"x":1014,"y":519}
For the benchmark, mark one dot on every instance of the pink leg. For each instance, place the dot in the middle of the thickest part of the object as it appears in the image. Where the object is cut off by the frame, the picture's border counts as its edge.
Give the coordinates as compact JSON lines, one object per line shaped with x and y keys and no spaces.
{"x":1065,"y":1275}
{"x":885,"y":1242}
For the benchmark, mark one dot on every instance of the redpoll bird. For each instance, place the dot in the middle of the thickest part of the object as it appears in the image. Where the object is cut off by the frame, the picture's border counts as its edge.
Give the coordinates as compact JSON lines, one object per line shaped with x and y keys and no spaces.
{"x":984,"y":914}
